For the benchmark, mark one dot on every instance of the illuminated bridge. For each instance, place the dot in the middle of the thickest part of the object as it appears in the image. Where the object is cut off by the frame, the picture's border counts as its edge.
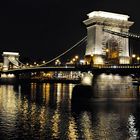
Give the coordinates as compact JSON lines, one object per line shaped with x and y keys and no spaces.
{"x":119,"y":69}
{"x":107,"y":48}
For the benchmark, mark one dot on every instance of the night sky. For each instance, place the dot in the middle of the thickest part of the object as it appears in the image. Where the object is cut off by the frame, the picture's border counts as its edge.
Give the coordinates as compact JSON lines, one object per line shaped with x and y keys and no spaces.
{"x":43,"y":29}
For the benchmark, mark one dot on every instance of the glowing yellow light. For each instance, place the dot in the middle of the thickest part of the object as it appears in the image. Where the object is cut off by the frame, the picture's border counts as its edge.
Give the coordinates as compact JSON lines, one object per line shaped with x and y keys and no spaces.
{"x":71,"y":129}
{"x":87,"y":79}
{"x":71,"y":62}
{"x":133,"y":55}
{"x":76,"y":57}
{"x":138,"y":58}
{"x":73,"y":59}
{"x":107,"y":50}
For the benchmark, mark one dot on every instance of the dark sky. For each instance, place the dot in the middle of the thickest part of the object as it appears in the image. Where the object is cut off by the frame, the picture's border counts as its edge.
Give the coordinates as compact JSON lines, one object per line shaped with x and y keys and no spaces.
{"x":42,"y":29}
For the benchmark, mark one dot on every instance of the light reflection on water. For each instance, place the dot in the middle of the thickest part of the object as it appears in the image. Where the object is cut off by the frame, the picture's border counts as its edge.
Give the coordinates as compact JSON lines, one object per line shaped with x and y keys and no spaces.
{"x":44,"y":111}
{"x":113,"y":86}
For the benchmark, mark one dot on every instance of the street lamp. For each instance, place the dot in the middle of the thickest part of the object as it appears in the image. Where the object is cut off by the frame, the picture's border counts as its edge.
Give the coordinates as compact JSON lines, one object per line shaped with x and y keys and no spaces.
{"x":35,"y":63}
{"x":76,"y":57}
{"x":71,"y":62}
{"x":43,"y":62}
{"x":107,"y":50}
{"x":133,"y":55}
{"x":57,"y":62}
{"x":138,"y":59}
{"x":133,"y":58}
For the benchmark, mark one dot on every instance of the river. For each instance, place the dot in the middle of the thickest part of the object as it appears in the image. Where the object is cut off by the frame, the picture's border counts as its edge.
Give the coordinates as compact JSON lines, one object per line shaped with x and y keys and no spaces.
{"x":44,"y":111}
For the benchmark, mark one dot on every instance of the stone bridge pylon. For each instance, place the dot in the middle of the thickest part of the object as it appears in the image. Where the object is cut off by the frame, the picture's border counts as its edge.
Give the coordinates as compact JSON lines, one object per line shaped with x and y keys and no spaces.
{"x":104,"y":47}
{"x":10,"y":60}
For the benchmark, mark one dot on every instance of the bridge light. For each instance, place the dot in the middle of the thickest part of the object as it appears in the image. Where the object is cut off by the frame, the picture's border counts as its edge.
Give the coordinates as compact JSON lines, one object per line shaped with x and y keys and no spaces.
{"x":73,"y":59}
{"x":133,"y":55}
{"x":87,"y":79}
{"x":71,"y":62}
{"x":76,"y":57}
{"x":107,"y":50}
{"x":138,"y":58}
{"x":91,"y":55}
{"x":82,"y":62}
{"x":43,"y":62}
{"x":57,"y":62}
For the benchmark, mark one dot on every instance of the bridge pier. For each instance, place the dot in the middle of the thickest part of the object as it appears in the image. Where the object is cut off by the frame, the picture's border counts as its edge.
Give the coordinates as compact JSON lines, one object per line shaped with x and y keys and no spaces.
{"x":10,"y":58}
{"x":105,"y":47}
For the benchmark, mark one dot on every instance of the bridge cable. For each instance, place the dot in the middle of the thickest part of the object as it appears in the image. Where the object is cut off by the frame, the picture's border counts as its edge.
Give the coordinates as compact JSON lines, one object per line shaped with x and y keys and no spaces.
{"x":74,"y":46}
{"x":20,"y":62}
{"x":123,"y":34}
{"x":13,"y":62}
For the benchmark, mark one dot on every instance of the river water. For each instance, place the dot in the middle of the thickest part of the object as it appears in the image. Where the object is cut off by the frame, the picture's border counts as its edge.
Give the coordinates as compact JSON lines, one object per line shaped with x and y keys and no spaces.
{"x":44,"y":111}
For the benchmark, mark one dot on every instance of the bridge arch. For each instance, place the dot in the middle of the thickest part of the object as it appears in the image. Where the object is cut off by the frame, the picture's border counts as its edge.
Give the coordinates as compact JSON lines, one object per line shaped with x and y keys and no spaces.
{"x":112,"y":51}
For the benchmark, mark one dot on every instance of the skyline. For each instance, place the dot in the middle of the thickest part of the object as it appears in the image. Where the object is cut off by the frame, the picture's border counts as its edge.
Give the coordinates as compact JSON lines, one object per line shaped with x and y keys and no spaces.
{"x":45,"y":29}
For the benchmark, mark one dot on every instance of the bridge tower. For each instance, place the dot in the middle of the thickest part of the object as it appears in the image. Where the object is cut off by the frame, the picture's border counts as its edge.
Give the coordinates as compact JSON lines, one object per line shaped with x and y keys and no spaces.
{"x":10,"y":58}
{"x":104,"y":47}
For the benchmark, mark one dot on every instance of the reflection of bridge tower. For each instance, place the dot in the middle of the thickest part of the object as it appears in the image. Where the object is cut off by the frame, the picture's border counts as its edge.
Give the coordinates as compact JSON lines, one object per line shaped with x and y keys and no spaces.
{"x":98,"y":40}
{"x":10,"y":58}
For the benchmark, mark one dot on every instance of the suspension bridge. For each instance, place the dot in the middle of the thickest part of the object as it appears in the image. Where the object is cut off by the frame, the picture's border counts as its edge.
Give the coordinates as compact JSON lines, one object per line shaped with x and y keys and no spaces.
{"x":107,"y":48}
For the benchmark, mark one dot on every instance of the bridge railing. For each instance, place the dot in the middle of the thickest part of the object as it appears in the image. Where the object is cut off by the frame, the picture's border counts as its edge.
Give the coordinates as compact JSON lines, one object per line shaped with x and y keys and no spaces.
{"x":116,"y":66}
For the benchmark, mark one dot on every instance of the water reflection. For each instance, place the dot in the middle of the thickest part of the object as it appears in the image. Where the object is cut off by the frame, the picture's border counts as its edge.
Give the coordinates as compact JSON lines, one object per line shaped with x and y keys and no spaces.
{"x":44,"y":111}
{"x":108,"y":121}
{"x":133,"y":133}
{"x":113,"y":86}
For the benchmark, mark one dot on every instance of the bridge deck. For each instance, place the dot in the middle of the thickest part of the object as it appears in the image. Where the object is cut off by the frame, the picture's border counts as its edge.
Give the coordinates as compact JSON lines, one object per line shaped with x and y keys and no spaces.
{"x":82,"y":68}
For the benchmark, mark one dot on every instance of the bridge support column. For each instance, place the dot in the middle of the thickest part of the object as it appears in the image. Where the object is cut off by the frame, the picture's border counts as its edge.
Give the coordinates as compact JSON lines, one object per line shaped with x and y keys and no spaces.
{"x":10,"y":57}
{"x":107,"y":47}
{"x":5,"y":63}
